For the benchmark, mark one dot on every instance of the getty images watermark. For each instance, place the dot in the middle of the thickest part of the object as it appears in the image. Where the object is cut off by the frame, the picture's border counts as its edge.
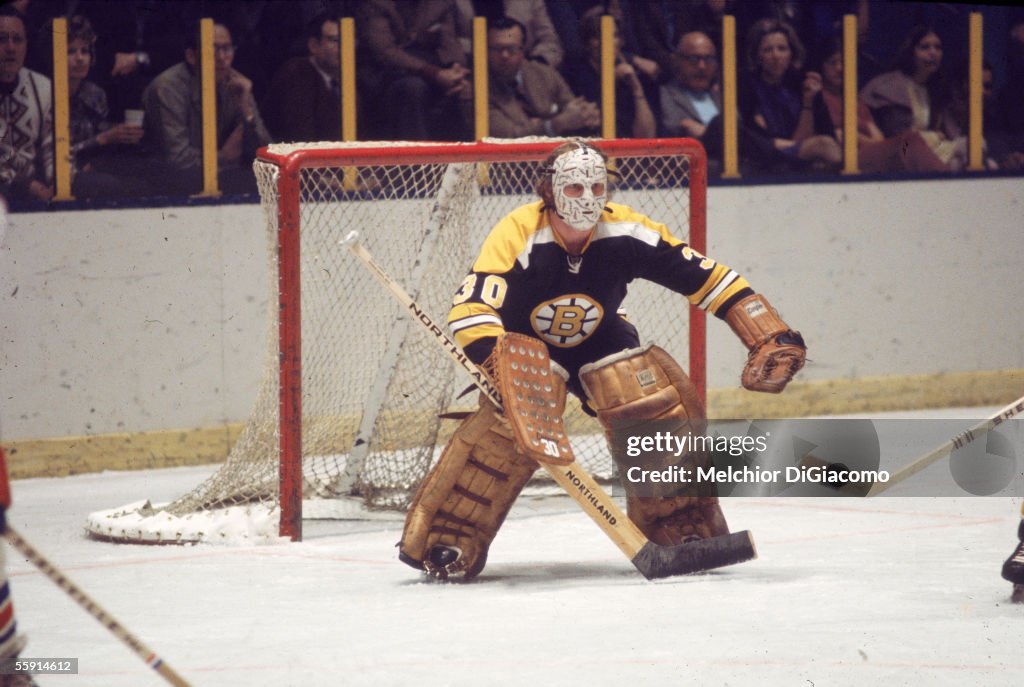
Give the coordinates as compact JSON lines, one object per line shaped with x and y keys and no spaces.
{"x":816,"y":457}
{"x":665,"y":443}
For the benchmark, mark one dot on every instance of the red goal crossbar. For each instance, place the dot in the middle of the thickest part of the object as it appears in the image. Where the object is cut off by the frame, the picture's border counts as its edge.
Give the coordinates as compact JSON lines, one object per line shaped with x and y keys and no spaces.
{"x":292,"y":160}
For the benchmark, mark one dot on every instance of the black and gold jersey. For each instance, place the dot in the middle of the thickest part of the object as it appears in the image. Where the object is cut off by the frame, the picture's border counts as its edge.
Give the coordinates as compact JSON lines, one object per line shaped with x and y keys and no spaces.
{"x":525,"y":281}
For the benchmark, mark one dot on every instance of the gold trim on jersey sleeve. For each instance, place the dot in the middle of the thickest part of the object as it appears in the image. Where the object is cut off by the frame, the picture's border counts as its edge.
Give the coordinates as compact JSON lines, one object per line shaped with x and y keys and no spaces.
{"x":472,"y":321}
{"x":727,"y":293}
{"x":722,"y":284}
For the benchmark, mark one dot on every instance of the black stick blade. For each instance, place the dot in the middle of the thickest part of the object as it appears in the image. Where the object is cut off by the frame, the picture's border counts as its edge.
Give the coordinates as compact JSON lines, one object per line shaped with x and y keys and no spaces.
{"x":666,"y":561}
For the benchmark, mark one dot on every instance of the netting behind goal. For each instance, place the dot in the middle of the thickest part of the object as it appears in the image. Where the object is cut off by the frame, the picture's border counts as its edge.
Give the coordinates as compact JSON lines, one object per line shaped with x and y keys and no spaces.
{"x":352,"y":394}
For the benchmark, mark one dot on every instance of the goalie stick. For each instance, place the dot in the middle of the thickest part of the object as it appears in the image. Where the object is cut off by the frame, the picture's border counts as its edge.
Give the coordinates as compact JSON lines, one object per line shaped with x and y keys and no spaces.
{"x":652,"y":560}
{"x":912,"y":468}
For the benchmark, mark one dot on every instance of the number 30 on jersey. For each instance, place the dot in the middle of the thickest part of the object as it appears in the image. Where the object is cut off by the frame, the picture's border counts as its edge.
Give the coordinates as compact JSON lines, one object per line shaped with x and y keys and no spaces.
{"x":492,"y":290}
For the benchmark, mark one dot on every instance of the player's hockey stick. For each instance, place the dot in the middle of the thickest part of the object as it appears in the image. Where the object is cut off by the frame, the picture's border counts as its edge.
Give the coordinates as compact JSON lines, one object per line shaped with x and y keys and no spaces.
{"x":652,"y":560}
{"x":919,"y":464}
{"x":962,"y":439}
{"x":94,"y":609}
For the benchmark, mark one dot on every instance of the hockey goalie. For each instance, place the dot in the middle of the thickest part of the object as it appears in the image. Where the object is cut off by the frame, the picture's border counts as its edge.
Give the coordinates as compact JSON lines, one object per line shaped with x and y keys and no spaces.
{"x":557,"y":270}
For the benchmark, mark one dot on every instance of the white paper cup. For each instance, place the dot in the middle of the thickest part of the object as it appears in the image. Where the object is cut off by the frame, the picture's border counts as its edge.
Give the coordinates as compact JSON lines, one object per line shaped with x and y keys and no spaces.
{"x":134,"y":117}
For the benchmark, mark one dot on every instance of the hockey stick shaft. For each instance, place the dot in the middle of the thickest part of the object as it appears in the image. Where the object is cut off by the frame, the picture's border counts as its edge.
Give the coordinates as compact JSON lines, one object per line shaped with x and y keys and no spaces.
{"x":94,"y":609}
{"x":652,"y":560}
{"x":967,"y":436}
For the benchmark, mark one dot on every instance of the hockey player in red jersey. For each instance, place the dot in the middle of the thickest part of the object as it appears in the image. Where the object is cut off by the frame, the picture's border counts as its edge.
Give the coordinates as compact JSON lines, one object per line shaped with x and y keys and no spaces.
{"x":11,"y":643}
{"x":558,"y":269}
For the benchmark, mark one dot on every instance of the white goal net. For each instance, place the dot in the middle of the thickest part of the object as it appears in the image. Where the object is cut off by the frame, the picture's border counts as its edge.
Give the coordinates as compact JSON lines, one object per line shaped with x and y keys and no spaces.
{"x":363,"y":390}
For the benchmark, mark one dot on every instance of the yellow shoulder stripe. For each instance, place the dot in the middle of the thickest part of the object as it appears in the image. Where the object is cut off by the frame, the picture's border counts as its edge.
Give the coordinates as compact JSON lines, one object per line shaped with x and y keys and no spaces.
{"x":508,"y":239}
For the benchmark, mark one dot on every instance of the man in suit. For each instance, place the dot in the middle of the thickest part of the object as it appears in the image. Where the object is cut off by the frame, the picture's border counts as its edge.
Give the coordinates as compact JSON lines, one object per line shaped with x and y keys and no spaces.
{"x":174,"y":122}
{"x":692,"y":99}
{"x":528,"y":98}
{"x":304,"y":100}
{"x":412,"y":72}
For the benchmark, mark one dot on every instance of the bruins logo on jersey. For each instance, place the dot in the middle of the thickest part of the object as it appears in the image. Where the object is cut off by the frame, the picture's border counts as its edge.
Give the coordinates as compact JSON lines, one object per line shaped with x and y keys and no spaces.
{"x":566,"y":321}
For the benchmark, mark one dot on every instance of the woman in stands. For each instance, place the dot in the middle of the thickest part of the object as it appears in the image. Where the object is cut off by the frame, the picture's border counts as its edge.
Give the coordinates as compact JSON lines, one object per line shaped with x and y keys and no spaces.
{"x":915,"y":96}
{"x":904,"y":151}
{"x":778,"y":99}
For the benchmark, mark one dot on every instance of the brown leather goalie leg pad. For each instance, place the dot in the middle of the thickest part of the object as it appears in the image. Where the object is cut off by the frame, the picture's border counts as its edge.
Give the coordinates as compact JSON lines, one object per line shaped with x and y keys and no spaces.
{"x":643,"y":392}
{"x":464,"y":499}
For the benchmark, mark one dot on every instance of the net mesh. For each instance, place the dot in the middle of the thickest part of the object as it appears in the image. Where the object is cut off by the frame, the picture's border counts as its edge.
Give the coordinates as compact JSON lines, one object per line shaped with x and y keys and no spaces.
{"x":374,"y":384}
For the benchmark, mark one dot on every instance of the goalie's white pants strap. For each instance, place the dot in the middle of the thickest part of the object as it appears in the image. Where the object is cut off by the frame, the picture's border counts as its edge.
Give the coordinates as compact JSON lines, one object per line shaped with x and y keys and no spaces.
{"x":465,"y":498}
{"x":643,"y":392}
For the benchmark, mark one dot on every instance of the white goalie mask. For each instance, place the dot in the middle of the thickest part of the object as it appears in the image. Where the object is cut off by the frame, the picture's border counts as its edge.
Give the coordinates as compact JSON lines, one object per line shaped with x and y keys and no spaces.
{"x":576,"y":175}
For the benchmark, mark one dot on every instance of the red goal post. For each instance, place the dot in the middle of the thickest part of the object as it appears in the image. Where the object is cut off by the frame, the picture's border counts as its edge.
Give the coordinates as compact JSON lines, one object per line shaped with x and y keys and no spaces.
{"x":349,"y":407}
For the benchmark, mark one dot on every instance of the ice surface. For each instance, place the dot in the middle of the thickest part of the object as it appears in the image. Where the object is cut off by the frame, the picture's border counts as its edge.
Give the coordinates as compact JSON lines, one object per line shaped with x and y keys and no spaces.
{"x":888,"y":591}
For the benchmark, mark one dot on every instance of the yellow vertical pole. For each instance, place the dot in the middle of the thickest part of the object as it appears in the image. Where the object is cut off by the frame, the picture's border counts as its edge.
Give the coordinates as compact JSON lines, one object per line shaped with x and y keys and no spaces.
{"x":850,"y":161}
{"x":607,"y":76}
{"x":208,"y":92}
{"x":347,"y":31}
{"x":974,"y":140}
{"x":61,"y":111}
{"x":347,"y":47}
{"x":481,"y":92}
{"x":480,"y":83}
{"x":730,"y":155}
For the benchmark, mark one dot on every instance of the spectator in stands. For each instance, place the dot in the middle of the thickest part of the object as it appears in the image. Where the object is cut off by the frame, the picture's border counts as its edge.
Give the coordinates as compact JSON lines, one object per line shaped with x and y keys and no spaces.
{"x":777,"y":99}
{"x":412,"y":70}
{"x":544,"y":44}
{"x":304,"y":101}
{"x":104,"y":156}
{"x":528,"y":98}
{"x":691,"y":102}
{"x":995,"y":147}
{"x":915,"y":95}
{"x":660,"y":25}
{"x":634,"y":115}
{"x":26,"y":117}
{"x":906,"y":151}
{"x":810,"y":19}
{"x":137,"y":40}
{"x":173,"y":106}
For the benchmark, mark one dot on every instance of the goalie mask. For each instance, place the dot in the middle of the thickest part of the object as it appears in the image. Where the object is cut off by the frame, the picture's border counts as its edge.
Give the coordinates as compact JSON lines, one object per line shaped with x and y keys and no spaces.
{"x":579,"y":185}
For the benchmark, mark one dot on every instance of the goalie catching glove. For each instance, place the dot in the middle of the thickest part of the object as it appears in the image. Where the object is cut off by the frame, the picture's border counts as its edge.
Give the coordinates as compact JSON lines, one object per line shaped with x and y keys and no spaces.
{"x":777,"y":352}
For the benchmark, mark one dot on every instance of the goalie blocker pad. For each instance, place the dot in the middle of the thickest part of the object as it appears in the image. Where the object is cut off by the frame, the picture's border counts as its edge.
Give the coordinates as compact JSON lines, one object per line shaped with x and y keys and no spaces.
{"x":639,"y":392}
{"x":533,"y":392}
